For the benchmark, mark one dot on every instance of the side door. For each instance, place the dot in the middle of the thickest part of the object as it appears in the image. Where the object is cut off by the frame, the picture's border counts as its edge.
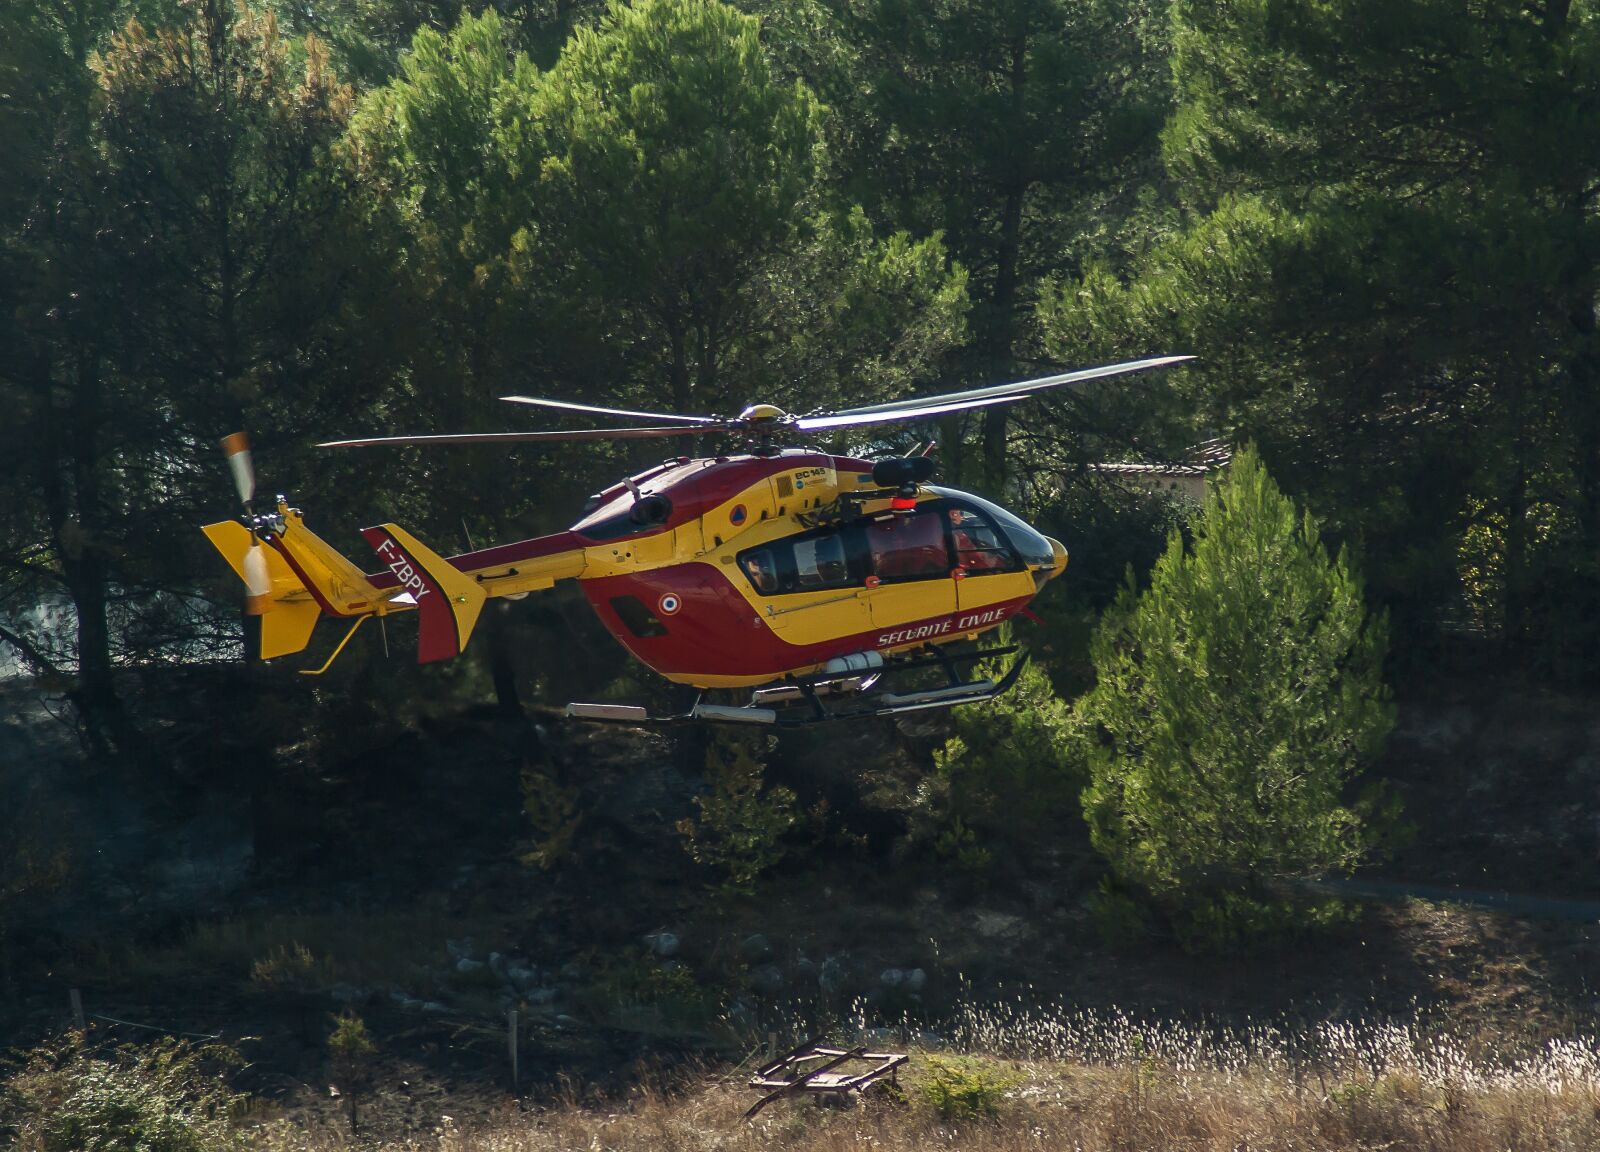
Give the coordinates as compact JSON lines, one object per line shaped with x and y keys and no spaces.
{"x":909,"y":555}
{"x":992,"y":571}
{"x":808,"y":588}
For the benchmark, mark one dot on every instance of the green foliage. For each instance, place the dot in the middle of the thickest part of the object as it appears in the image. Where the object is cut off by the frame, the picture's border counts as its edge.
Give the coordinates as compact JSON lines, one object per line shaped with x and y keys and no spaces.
{"x":958,"y":844}
{"x":553,"y":815}
{"x":169,"y":1096}
{"x":292,"y":967}
{"x":682,"y":204}
{"x":676,"y":163}
{"x":648,"y":210}
{"x":1012,"y":129}
{"x":227,"y":239}
{"x":1389,"y":273}
{"x":349,"y":1044}
{"x":446,"y":163}
{"x":1236,"y":700}
{"x":740,"y":829}
{"x":625,"y":985}
{"x":963,"y":1088}
{"x":186,"y":270}
{"x":847,"y":314}
{"x":1007,"y":767}
{"x":442,"y":139}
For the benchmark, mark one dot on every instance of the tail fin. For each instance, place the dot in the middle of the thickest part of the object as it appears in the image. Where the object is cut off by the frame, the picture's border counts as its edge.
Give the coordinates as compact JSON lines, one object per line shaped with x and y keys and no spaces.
{"x":448,"y":601}
{"x":288,"y":612}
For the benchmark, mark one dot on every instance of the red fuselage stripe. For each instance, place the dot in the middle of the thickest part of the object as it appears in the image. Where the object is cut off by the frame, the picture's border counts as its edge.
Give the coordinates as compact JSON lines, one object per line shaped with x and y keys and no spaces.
{"x":310,"y":584}
{"x":507,"y":554}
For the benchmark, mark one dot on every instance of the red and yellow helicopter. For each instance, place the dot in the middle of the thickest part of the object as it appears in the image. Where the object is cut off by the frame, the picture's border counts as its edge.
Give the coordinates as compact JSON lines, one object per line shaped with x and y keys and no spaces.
{"x":807,"y":577}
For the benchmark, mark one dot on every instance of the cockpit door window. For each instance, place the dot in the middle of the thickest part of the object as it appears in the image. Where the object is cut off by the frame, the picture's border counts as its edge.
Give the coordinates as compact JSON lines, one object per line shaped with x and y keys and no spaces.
{"x":980,"y":548}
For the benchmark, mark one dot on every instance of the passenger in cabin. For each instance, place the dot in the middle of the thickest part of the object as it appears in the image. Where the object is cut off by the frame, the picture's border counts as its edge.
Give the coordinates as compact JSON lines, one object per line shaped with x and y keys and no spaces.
{"x":762,"y":571}
{"x":978,"y":548}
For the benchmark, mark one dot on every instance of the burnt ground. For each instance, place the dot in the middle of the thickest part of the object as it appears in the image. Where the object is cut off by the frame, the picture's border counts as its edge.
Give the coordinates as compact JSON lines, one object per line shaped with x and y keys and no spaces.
{"x":265,"y":883}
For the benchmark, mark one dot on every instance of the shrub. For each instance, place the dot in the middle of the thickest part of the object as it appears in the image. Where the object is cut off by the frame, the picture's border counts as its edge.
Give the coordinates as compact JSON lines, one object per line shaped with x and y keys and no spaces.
{"x":669,"y":991}
{"x":964,"y":1089}
{"x":164,"y":1097}
{"x":741,"y":825}
{"x":1006,"y":766}
{"x":292,"y":968}
{"x":1235,"y":702}
{"x":958,"y":845}
{"x":553,"y":815}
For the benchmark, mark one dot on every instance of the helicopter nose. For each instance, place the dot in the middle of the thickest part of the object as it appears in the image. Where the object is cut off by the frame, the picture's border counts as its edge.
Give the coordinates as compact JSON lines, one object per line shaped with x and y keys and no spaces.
{"x":1058,"y":556}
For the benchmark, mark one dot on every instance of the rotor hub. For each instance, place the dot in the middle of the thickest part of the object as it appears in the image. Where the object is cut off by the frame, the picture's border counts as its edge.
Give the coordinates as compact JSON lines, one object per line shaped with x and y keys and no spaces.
{"x":763,"y":414}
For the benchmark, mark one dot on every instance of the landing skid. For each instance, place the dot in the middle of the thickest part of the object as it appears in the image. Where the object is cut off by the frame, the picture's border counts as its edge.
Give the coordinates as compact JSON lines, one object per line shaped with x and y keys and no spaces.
{"x":819,"y":699}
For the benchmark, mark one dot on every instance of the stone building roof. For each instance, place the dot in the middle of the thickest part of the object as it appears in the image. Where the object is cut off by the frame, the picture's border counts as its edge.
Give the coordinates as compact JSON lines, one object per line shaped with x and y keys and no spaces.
{"x":1203,"y":459}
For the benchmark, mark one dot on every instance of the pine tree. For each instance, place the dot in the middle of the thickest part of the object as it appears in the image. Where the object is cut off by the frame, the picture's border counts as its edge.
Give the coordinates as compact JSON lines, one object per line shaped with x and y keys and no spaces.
{"x":1236,"y":701}
{"x":1013,"y":127}
{"x":1389,"y":272}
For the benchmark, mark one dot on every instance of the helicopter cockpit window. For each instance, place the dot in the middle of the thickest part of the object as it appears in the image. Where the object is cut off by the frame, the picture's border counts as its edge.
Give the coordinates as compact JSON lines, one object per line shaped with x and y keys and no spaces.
{"x":980,"y":549}
{"x":1028,"y":542}
{"x":909,"y":547}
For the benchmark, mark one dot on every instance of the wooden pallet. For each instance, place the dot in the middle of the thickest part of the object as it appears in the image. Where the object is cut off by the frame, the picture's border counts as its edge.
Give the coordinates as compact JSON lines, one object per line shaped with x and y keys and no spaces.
{"x":828,"y":1074}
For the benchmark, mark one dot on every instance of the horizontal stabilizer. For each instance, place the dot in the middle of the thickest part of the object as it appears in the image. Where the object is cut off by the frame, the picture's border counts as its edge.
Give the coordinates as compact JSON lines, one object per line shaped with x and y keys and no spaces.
{"x":448,"y":600}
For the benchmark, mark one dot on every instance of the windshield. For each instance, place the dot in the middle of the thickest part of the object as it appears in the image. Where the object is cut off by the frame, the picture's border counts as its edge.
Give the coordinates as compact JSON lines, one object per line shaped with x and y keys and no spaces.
{"x":1029,"y":542}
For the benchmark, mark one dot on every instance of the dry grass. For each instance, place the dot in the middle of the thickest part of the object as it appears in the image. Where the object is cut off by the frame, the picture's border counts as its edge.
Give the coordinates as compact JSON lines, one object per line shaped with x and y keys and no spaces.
{"x":1108,"y":1082}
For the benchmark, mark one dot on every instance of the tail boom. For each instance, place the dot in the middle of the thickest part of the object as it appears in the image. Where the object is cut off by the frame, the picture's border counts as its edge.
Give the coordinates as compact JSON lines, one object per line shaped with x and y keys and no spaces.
{"x":310,"y":579}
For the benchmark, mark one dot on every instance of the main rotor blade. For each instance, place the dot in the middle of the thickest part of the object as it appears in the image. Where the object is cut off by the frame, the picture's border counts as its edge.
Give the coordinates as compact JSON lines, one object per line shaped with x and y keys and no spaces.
{"x":1023,"y":387}
{"x":855,"y":417}
{"x":520,"y":437}
{"x":568,"y":406}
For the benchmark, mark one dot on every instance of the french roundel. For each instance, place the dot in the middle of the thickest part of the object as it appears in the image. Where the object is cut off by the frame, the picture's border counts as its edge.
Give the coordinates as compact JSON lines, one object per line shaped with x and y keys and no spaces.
{"x":669,"y":604}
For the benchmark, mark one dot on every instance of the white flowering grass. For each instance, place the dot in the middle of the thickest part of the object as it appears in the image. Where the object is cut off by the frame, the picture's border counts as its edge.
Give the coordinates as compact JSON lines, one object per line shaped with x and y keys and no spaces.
{"x":1105,"y":1080}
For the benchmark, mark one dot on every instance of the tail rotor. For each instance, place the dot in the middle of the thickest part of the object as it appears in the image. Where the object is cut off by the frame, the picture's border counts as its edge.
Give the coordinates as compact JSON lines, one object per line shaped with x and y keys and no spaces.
{"x":236,"y":447}
{"x":257,"y":576}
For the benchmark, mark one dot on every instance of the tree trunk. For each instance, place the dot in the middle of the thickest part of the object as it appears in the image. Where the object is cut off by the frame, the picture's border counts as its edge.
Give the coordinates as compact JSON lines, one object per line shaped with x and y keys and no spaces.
{"x":952,"y":447}
{"x":1583,"y":405}
{"x":680,"y":365}
{"x":80,"y":532}
{"x":1514,"y":601}
{"x":502,"y":669}
{"x":1000,"y":338}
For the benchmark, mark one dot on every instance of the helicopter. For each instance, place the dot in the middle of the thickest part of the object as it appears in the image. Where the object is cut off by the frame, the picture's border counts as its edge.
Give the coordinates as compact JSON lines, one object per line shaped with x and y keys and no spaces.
{"x":812,"y":580}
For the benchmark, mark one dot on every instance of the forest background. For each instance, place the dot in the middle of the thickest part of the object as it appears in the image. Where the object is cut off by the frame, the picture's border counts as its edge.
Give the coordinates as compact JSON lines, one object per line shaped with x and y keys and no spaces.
{"x":1373,"y":223}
